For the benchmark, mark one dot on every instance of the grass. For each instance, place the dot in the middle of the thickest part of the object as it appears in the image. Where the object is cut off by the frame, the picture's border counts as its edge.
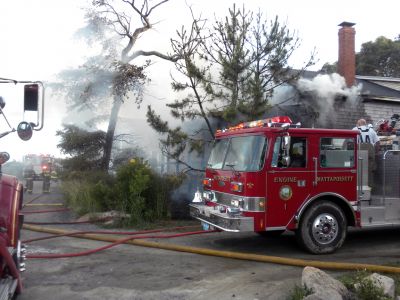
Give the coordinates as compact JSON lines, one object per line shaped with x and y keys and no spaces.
{"x":361,"y":287}
{"x":299,"y":292}
{"x":357,"y":284}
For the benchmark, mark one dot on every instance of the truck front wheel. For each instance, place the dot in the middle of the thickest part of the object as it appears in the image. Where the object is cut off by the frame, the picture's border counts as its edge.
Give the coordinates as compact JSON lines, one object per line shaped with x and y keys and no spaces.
{"x":322,"y":228}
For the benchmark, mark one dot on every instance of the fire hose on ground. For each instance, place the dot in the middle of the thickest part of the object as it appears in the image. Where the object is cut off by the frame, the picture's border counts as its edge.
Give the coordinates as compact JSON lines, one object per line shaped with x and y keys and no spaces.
{"x":115,"y":243}
{"x":134,"y":240}
{"x":43,"y":204}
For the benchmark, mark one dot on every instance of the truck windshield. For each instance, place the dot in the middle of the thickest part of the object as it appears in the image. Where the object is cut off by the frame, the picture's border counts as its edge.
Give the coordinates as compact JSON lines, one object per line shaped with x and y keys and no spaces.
{"x":244,"y":153}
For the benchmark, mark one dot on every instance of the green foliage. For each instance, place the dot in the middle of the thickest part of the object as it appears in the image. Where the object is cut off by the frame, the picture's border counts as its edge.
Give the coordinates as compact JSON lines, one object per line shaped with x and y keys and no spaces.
{"x":357,"y":283}
{"x":132,"y":180}
{"x":135,"y":190}
{"x":253,"y":58}
{"x":228,"y":73}
{"x":77,"y":141}
{"x":379,"y":58}
{"x":129,"y":78}
{"x":105,"y":81}
{"x":84,"y":147}
{"x":88,"y":192}
{"x":367,"y":290}
{"x":299,"y":292}
{"x":124,"y":155}
{"x":329,"y":68}
{"x":155,"y":121}
{"x":362,"y":287}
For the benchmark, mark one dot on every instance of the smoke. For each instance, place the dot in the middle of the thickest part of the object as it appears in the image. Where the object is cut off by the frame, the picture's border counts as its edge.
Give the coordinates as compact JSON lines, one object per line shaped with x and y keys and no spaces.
{"x":324,"y":93}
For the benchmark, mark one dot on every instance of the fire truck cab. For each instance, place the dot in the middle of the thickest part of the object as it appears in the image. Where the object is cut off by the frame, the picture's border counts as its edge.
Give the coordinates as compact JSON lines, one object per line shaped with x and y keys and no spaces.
{"x":269,"y":176}
{"x":12,"y":251}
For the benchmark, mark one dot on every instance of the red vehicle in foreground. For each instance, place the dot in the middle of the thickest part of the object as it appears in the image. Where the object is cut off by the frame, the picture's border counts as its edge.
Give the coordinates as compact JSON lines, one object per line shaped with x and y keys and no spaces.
{"x":269,"y":176}
{"x":12,"y":252}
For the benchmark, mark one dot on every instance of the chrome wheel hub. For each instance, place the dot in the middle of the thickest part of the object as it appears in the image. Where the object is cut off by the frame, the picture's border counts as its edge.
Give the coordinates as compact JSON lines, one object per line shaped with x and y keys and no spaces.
{"x":325,"y":228}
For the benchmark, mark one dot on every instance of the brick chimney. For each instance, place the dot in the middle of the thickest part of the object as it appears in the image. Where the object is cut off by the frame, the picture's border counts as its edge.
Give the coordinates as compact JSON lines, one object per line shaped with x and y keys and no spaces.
{"x":347,"y":56}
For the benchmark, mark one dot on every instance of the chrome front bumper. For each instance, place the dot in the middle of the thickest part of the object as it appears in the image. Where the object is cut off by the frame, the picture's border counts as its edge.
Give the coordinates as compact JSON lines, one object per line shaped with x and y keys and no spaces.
{"x":221,"y":220}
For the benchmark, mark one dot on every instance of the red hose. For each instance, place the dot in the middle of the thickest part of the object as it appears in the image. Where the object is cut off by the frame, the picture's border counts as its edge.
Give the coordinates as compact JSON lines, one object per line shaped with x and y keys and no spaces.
{"x":44,"y":211}
{"x":65,"y":223}
{"x":107,"y":232}
{"x":88,"y":252}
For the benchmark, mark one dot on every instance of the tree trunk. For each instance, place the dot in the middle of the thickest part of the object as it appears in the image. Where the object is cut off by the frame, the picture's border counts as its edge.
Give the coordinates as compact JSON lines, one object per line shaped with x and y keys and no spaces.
{"x":112,"y":123}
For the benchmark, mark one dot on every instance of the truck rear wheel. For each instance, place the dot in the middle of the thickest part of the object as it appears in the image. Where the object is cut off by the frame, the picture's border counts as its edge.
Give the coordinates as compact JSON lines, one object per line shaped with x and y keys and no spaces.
{"x":322,"y":228}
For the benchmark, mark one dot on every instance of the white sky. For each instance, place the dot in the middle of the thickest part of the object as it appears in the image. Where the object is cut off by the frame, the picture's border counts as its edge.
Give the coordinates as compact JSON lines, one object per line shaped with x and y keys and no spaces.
{"x":36,"y":39}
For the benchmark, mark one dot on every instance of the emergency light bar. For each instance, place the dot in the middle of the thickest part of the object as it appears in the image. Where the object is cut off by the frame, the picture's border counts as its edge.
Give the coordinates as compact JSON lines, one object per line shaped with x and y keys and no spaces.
{"x":278,"y":121}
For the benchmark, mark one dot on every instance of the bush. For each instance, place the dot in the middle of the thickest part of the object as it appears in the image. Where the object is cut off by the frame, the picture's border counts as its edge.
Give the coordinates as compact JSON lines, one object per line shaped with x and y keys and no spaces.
{"x":367,"y":290}
{"x":90,"y":192}
{"x":132,"y":180}
{"x":135,"y":190}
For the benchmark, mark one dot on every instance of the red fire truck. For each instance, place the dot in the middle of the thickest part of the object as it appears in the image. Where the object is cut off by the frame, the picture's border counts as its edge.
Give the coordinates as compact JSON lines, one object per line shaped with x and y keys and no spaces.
{"x":12,"y":252}
{"x":270,"y":176}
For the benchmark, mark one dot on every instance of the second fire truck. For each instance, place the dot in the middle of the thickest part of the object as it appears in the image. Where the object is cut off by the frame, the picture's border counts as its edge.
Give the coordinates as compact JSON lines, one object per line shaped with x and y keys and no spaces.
{"x":38,"y":167}
{"x":269,"y":176}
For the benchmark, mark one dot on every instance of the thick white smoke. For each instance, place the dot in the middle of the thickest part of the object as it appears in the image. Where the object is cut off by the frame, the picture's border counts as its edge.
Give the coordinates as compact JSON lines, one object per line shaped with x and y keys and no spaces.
{"x":328,"y":87}
{"x":326,"y":90}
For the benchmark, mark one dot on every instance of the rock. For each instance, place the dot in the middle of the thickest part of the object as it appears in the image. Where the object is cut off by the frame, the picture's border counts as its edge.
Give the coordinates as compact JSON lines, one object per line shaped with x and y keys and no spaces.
{"x":323,"y":285}
{"x":385,"y":282}
{"x":327,"y":294}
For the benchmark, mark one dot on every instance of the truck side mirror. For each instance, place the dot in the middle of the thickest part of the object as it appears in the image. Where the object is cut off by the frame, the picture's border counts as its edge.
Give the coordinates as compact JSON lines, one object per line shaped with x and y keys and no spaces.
{"x":24,"y":131}
{"x":34,"y":104}
{"x":4,"y":157}
{"x":286,"y":161}
{"x":285,"y":150}
{"x":286,"y":142}
{"x":31,"y":97}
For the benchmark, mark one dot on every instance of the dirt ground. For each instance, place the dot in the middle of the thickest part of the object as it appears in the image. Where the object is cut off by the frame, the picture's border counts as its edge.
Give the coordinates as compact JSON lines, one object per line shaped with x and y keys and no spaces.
{"x":133,"y":272}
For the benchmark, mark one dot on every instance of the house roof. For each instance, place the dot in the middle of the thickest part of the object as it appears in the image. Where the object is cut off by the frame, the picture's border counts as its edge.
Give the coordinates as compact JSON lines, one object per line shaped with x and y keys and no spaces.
{"x":379,"y":88}
{"x":372,"y":87}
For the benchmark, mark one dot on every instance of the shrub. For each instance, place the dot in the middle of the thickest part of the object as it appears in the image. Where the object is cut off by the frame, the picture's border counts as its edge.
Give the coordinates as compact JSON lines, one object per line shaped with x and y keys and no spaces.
{"x":367,"y":290}
{"x":362,"y":287}
{"x":134,"y":190}
{"x":88,"y":192}
{"x":77,"y":196}
{"x":132,"y":180}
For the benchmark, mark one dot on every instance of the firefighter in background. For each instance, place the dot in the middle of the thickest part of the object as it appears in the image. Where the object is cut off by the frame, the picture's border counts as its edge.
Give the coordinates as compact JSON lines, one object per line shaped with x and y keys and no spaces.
{"x":46,"y":171}
{"x":29,"y":175}
{"x":368,"y":140}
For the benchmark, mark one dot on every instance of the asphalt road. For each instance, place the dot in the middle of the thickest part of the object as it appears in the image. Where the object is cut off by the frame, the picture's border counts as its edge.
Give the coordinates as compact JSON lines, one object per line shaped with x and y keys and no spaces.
{"x":133,"y":272}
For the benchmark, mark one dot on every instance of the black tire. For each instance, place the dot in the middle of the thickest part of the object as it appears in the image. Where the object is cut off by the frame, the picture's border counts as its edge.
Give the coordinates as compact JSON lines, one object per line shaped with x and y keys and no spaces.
{"x":322,"y":228}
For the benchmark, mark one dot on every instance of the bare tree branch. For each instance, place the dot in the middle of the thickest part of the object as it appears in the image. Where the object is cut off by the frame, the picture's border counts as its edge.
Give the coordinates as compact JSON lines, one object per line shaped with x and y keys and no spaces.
{"x":138,"y":53}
